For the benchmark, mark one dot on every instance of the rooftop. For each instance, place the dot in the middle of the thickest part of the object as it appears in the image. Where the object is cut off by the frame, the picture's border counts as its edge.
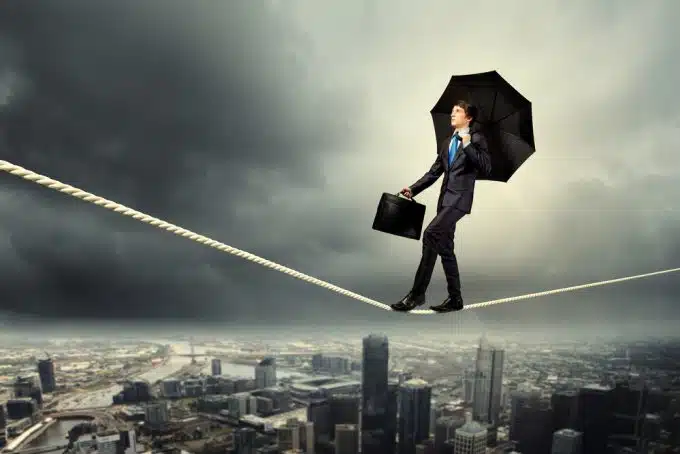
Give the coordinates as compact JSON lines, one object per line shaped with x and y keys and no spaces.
{"x":471,"y":428}
{"x":416,"y":383}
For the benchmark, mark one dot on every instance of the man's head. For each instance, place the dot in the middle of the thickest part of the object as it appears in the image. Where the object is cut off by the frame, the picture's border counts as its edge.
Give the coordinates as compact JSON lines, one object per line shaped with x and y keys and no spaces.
{"x":462,"y":115}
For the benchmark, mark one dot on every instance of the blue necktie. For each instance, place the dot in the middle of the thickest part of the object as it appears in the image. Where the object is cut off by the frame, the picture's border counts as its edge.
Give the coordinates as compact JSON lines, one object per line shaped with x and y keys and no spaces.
{"x":453,"y":146}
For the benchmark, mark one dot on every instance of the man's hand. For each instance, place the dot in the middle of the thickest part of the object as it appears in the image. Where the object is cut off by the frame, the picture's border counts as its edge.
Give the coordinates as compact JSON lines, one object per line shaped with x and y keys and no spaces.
{"x":465,"y":138}
{"x":406,"y":192}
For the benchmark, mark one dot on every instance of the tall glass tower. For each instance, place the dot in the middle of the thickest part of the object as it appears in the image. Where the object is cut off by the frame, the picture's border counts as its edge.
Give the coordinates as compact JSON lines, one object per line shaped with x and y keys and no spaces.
{"x":375,"y":397}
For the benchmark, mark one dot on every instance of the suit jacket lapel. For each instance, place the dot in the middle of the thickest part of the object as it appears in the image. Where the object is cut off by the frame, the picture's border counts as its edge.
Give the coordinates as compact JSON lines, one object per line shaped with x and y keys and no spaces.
{"x":445,"y":152}
{"x":459,"y":152}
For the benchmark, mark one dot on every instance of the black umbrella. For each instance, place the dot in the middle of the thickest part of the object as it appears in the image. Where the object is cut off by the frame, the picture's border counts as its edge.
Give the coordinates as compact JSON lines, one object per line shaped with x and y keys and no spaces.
{"x":504,"y":119}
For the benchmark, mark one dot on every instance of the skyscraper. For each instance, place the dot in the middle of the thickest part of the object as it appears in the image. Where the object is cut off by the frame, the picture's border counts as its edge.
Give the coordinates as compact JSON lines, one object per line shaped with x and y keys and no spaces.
{"x":156,"y":414}
{"x":296,"y":434}
{"x":629,"y":402}
{"x":469,"y":386}
{"x":265,"y":373}
{"x":245,"y":440}
{"x":518,"y":400}
{"x":46,"y":373}
{"x":343,"y":409}
{"x":318,"y":412}
{"x":565,"y":409}
{"x":567,"y":441}
{"x":532,"y":425}
{"x":595,"y":405}
{"x":392,"y":412}
{"x":28,"y":387}
{"x":346,"y":439}
{"x":414,"y":415}
{"x":445,"y":430}
{"x":3,"y":424}
{"x":488,"y":393}
{"x":375,"y":396}
{"x":216,"y":366}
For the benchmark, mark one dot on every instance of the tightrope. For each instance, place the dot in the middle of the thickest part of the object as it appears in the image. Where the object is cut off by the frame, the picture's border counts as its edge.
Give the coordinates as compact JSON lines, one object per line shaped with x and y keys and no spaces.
{"x":159,"y":223}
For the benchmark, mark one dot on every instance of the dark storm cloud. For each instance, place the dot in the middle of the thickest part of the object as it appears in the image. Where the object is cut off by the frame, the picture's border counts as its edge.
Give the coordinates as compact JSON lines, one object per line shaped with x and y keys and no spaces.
{"x":275,"y":126}
{"x":196,"y":114}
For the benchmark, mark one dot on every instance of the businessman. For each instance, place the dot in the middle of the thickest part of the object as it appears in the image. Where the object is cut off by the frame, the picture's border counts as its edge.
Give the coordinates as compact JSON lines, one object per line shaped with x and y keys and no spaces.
{"x":462,"y":157}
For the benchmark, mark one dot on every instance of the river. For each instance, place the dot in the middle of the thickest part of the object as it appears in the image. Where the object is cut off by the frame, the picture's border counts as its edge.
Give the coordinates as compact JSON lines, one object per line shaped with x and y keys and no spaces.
{"x":103,"y":397}
{"x":55,"y":434}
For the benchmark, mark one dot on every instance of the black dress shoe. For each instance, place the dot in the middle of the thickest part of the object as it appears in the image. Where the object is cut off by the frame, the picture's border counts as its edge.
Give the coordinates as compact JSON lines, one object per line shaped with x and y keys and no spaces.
{"x":450,"y":304}
{"x":409,"y":302}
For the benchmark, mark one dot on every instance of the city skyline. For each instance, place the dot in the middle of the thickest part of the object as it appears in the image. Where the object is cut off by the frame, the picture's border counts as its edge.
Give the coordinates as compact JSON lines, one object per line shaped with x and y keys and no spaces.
{"x":549,"y":396}
{"x":281,"y":151}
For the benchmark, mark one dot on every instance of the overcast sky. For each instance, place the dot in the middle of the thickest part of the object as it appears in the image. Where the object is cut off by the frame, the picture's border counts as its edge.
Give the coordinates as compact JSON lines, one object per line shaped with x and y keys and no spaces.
{"x":274,"y":126}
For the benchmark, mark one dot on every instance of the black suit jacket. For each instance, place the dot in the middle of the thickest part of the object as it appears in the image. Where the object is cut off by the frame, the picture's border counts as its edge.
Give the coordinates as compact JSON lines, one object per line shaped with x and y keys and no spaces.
{"x":458,"y":187}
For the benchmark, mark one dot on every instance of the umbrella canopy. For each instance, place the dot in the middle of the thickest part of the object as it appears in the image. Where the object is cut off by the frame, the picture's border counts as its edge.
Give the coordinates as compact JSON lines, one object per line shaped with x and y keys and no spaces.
{"x":504,"y":118}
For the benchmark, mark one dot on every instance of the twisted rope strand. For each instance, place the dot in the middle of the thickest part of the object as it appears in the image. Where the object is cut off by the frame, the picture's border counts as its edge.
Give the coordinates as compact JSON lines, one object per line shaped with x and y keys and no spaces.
{"x":159,"y":223}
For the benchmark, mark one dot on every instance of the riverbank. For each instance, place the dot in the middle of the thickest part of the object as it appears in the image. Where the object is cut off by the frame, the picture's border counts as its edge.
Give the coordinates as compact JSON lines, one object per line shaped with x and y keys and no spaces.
{"x":30,"y":434}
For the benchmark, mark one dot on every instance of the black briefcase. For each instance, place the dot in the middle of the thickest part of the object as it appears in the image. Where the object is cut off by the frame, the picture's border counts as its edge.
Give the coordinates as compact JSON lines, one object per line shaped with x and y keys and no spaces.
{"x":399,"y":216}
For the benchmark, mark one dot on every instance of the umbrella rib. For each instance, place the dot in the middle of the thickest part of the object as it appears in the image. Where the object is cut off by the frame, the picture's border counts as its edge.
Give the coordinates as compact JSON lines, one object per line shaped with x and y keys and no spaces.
{"x":179,"y":231}
{"x":506,"y":116}
{"x":493,"y":105}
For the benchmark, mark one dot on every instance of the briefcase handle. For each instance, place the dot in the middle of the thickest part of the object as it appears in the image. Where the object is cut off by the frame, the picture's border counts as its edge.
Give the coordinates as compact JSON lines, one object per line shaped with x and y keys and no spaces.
{"x":412,"y":199}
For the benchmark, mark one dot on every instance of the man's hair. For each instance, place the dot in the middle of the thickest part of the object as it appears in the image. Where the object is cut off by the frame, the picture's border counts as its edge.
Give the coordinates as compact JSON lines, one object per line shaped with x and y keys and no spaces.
{"x":469,"y":109}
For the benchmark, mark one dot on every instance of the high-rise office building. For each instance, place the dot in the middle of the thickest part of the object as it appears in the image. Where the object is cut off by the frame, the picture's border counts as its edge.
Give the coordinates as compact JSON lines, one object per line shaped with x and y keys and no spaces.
{"x":3,"y":425}
{"x":28,"y":386}
{"x":445,"y":430}
{"x":470,"y":438}
{"x":333,"y":365}
{"x":346,"y":439}
{"x":157,"y":413}
{"x":216,"y":366}
{"x":295,"y":434}
{"x":565,"y":409}
{"x":288,"y":437}
{"x":628,"y":414}
{"x":595,"y":405}
{"x":23,"y":407}
{"x":392,"y":423}
{"x":375,"y":396}
{"x":567,"y":441}
{"x":265,"y":373}
{"x":469,"y":386}
{"x":108,"y":442}
{"x":433,"y":416}
{"x":532,"y":425}
{"x":343,"y":409}
{"x":317,"y":362}
{"x":414,"y":415}
{"x":319,"y":412}
{"x":488,"y":384}
{"x":128,"y":441}
{"x":46,"y":373}
{"x":171,"y":388}
{"x":519,"y":399}
{"x":245,"y":440}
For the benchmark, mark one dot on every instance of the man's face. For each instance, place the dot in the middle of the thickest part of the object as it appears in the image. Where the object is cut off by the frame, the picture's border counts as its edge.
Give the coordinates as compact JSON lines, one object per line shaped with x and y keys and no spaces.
{"x":459,"y":118}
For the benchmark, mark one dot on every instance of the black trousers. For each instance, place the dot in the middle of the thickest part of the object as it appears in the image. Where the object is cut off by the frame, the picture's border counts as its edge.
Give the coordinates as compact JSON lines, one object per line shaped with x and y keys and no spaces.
{"x":438,"y":241}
